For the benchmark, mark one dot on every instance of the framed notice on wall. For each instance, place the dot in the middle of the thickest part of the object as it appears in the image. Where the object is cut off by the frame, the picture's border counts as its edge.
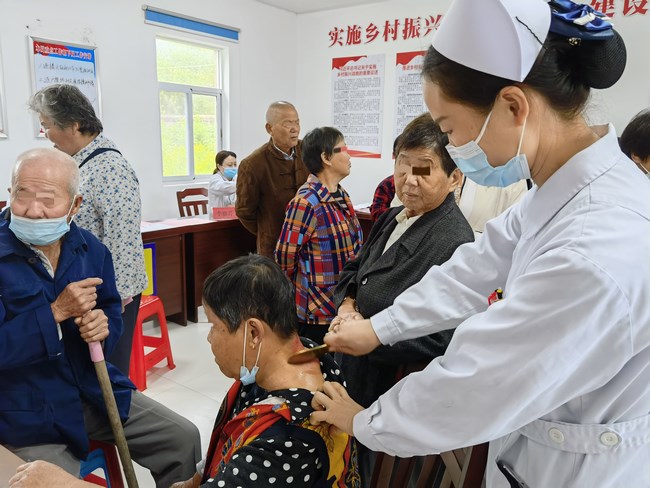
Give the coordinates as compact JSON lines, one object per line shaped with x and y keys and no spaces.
{"x":409,"y":102}
{"x":56,"y":62}
{"x":357,"y":102}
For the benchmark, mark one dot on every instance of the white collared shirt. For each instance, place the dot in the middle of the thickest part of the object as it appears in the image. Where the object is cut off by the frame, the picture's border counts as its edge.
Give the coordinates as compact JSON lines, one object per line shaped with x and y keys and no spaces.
{"x":404,"y":222}
{"x":569,"y":343}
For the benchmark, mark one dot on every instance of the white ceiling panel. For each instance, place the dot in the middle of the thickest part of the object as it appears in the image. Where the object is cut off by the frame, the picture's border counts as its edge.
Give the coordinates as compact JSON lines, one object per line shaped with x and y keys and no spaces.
{"x":306,"y":6}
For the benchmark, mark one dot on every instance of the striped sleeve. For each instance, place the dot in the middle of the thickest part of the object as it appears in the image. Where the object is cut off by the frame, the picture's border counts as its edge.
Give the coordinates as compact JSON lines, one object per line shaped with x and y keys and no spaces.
{"x":299,"y":224}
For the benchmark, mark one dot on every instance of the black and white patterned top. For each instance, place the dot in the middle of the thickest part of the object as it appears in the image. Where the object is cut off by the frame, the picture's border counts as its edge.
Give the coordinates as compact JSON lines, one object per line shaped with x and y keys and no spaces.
{"x":111,"y":210}
{"x":279,"y":460}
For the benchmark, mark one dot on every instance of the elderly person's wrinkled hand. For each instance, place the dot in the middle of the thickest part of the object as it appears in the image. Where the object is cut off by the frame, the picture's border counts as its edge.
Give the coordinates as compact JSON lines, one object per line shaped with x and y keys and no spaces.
{"x":93,"y":326}
{"x":334,"y":406}
{"x":76,"y":299}
{"x":41,"y":474}
{"x":343,"y":316}
{"x":354,"y":337}
{"x":193,"y":482}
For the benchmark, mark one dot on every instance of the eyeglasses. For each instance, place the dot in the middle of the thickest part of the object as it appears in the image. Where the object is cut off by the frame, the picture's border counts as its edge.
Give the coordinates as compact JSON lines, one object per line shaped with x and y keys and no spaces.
{"x":337,"y":150}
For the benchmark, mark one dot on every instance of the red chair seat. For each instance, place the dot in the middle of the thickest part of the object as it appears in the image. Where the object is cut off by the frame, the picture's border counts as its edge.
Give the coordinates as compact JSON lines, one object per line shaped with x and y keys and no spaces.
{"x":141,"y":362}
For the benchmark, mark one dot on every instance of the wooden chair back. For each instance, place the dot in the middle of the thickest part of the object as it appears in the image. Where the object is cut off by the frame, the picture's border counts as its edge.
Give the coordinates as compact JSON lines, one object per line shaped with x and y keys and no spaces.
{"x":461,"y":468}
{"x":192,"y":206}
{"x":464,"y":468}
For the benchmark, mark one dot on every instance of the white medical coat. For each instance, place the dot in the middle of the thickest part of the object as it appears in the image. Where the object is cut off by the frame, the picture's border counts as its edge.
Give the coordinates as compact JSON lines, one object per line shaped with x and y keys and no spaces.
{"x":221,"y":191}
{"x":557,"y":374}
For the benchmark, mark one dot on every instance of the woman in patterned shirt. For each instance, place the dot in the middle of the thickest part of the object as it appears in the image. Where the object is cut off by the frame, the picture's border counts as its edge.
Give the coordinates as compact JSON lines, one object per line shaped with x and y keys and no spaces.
{"x":320,"y":232}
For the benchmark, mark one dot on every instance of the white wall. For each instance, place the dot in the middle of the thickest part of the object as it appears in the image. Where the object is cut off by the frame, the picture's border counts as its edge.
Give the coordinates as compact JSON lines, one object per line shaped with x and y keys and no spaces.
{"x":279,"y":56}
{"x":262,"y":69}
{"x":617,"y":104}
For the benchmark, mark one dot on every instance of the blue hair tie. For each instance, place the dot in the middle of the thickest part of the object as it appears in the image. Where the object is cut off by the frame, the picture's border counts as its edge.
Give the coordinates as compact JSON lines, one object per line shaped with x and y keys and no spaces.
{"x":578,"y":22}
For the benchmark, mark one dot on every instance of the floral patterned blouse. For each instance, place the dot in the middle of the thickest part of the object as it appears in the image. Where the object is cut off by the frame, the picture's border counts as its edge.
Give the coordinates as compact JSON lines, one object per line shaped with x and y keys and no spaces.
{"x":111,"y":210}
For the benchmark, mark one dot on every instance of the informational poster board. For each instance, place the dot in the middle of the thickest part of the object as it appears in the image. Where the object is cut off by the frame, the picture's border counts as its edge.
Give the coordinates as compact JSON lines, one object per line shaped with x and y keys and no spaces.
{"x":358,"y":101}
{"x":56,"y":62}
{"x":409,"y":102}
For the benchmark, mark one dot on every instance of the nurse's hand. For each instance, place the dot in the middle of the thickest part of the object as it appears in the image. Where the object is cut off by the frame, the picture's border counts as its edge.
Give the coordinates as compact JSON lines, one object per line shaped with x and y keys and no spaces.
{"x":354,"y":337}
{"x":40,"y":474}
{"x":334,"y":406}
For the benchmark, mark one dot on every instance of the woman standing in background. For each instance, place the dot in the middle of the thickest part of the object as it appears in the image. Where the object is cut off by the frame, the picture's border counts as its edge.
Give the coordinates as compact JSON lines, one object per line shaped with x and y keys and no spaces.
{"x":320,"y":232}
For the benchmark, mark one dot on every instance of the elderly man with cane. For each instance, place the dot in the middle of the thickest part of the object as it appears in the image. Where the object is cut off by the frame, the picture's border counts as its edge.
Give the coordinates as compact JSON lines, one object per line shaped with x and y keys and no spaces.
{"x":57,"y":295}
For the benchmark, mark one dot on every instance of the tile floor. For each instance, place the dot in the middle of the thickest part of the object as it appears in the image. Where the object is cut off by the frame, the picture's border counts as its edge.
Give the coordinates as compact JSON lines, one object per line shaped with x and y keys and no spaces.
{"x":194,"y":388}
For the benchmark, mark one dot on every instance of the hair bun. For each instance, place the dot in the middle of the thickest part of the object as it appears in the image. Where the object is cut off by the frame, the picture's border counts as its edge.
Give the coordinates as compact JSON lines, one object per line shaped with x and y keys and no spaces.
{"x":601,"y":63}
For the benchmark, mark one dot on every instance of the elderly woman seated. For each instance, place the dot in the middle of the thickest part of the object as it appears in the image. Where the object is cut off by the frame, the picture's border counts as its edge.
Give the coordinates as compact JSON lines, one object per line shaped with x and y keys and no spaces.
{"x":262,"y":434}
{"x":403,"y":245}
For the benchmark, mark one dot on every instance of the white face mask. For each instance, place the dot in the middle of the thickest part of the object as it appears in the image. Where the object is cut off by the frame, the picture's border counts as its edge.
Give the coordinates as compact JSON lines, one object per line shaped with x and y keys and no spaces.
{"x":245,"y":376}
{"x":40,"y":232}
{"x":474,"y":164}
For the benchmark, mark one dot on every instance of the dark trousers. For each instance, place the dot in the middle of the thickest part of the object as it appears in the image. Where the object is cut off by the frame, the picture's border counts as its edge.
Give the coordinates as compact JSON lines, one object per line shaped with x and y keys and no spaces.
{"x":121,"y":355}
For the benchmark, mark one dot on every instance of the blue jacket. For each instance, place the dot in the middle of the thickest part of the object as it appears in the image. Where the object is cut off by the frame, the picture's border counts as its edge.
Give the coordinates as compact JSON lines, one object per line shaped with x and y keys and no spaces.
{"x":43,"y":379}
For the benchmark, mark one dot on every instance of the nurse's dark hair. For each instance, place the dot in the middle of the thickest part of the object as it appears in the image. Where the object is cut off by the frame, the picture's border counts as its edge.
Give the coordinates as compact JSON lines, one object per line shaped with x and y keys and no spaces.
{"x":65,"y":105}
{"x":318,"y":141}
{"x":248,"y":287}
{"x":423,"y":132}
{"x":563,"y":74}
{"x":635,"y":138}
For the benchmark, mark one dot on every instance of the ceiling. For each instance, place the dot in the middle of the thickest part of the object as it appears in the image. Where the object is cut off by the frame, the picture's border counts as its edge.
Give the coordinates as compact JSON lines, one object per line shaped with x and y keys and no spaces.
{"x":305,"y":6}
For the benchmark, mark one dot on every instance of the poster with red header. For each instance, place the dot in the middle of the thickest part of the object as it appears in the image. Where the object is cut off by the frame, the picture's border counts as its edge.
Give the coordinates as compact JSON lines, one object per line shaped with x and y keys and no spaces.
{"x":409,"y":102}
{"x":358,"y":102}
{"x":56,"y":62}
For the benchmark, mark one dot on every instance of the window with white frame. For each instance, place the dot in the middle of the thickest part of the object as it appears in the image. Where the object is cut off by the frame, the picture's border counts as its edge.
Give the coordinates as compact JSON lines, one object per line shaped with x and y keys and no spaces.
{"x":190,"y":91}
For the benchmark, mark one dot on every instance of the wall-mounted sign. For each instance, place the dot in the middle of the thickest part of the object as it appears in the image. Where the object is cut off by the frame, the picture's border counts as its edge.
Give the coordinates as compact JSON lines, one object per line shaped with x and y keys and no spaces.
{"x":56,"y":62}
{"x":358,"y":101}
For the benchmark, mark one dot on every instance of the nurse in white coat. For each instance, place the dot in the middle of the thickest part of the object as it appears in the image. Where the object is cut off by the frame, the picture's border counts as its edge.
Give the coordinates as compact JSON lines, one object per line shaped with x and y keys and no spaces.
{"x":556,"y":375}
{"x":223,"y":183}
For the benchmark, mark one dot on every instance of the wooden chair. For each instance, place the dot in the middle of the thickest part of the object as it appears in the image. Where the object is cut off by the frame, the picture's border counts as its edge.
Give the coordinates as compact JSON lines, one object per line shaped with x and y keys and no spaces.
{"x":461,"y":468}
{"x":194,"y":206}
{"x":464,"y":468}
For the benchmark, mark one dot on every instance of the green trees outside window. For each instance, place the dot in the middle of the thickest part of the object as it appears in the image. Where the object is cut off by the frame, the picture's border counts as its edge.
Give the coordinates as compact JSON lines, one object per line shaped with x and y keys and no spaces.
{"x":189,"y":79}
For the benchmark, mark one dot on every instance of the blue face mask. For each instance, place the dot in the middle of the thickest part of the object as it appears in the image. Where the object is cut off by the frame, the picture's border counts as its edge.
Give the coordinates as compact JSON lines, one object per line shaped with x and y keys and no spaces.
{"x":230,"y":173}
{"x":473,"y":162}
{"x":245,"y":376}
{"x":40,"y":232}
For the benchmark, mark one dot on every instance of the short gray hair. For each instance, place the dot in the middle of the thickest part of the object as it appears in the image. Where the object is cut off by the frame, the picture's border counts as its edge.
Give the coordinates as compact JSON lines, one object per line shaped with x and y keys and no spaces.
{"x":43,"y":155}
{"x":275,"y":107}
{"x":65,"y":105}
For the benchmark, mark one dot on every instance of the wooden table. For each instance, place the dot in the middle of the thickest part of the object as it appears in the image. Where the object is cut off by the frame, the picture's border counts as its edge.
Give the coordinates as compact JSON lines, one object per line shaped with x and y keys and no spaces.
{"x":365,"y":219}
{"x":187,"y":251}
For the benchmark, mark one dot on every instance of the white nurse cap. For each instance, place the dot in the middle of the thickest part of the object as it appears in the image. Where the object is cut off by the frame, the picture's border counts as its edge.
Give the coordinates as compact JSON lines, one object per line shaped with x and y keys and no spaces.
{"x":498,"y":37}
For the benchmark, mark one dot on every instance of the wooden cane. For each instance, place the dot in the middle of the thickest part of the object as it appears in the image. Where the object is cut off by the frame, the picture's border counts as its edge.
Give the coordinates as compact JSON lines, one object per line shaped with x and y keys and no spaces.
{"x":97,"y":357}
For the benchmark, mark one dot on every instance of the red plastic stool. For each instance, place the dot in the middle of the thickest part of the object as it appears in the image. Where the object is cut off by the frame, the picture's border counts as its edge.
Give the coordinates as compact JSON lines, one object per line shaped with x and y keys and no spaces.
{"x":140,"y":362}
{"x":103,"y":455}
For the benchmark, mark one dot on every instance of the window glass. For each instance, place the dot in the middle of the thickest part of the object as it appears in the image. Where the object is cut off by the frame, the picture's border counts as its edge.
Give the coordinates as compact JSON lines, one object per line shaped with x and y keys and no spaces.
{"x":173,"y":133}
{"x":188,"y":64}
